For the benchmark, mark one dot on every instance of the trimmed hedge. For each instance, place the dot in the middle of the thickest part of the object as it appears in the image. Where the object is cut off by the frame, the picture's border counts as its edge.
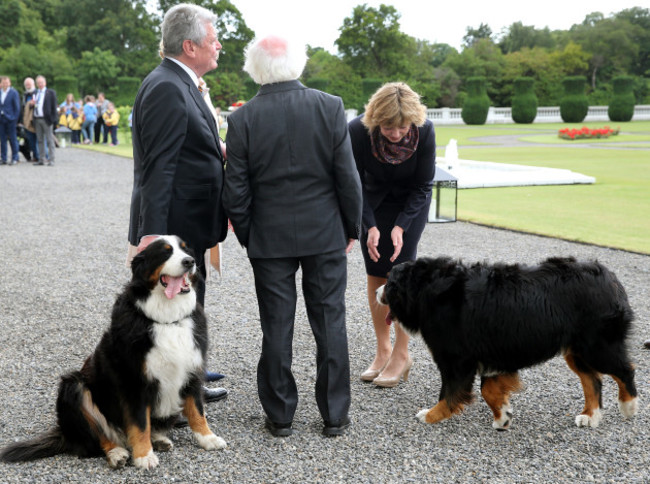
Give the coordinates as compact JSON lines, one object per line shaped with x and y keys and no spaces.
{"x":476,"y":106}
{"x":524,"y":101}
{"x":621,"y":107}
{"x":574,"y":105}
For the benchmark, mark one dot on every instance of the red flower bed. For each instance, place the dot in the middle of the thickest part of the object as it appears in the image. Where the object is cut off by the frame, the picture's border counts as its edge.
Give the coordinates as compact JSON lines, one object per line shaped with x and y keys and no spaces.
{"x":587,"y":133}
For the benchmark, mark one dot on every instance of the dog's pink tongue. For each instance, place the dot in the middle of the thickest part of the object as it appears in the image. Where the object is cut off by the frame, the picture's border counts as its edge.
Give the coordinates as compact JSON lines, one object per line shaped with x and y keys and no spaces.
{"x":389,"y":318}
{"x":174,"y":285}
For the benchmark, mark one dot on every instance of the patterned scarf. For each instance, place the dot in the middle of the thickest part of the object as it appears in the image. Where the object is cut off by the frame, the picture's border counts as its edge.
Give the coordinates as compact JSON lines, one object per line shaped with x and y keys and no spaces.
{"x":394,"y":153}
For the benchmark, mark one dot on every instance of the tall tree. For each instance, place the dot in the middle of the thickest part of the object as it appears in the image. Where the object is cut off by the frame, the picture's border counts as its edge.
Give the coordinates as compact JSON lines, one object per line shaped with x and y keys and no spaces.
{"x":473,"y":35}
{"x":124,"y":27}
{"x":373,"y":45}
{"x":610,"y":41}
{"x":519,"y":36}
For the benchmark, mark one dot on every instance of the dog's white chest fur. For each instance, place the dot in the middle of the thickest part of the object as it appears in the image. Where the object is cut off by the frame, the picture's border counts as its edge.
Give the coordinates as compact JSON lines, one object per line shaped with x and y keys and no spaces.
{"x":172,"y":359}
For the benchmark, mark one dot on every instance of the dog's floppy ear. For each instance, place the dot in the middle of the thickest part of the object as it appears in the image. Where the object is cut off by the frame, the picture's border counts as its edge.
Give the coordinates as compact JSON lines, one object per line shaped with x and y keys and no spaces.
{"x":139,"y":266}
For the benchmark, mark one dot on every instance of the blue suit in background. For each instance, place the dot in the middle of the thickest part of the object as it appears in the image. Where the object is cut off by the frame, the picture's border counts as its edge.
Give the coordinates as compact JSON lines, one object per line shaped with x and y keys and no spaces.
{"x":9,"y":113}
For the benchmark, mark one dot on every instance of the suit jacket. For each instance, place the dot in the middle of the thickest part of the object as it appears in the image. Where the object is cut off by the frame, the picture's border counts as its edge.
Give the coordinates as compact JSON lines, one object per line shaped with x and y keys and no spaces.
{"x":50,"y":107}
{"x":178,"y":165}
{"x":10,"y":109}
{"x":291,"y":185}
{"x":409,"y":183}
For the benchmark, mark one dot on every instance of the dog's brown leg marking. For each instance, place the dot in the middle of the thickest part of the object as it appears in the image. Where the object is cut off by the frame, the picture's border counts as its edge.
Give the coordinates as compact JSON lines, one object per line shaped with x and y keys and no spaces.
{"x":623,"y":394}
{"x":591,"y":386}
{"x":198,"y":422}
{"x":441,"y":412}
{"x":92,"y":415}
{"x":496,"y":391}
{"x":140,"y":439}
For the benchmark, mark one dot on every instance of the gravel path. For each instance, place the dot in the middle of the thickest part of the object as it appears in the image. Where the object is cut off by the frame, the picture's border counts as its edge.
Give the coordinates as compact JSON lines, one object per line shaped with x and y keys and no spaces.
{"x":62,"y":239}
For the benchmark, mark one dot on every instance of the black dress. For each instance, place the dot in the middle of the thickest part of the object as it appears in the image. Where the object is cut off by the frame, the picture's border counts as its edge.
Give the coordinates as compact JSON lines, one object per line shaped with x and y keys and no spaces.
{"x":394,"y":195}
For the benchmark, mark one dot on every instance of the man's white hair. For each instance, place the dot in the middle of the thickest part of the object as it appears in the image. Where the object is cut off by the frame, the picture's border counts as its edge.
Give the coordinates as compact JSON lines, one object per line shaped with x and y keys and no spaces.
{"x":274,"y":59}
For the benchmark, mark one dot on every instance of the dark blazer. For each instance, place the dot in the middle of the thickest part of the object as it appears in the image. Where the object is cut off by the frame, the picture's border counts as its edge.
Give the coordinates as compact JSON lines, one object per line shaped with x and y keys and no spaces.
{"x":50,"y":107}
{"x":178,"y":165}
{"x":291,"y":187}
{"x":10,"y":109}
{"x":409,"y":183}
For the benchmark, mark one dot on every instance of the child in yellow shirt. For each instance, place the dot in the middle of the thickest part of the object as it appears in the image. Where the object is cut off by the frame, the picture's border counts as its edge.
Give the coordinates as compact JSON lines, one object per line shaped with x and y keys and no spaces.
{"x":111,"y":120}
{"x":74,"y":123}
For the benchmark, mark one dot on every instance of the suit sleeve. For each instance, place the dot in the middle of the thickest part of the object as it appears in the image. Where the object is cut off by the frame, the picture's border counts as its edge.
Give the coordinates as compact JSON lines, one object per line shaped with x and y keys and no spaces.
{"x":348,"y":185}
{"x":357,"y":135}
{"x":15,"y":103}
{"x":422,"y":183}
{"x":163,"y":127}
{"x":237,"y":194}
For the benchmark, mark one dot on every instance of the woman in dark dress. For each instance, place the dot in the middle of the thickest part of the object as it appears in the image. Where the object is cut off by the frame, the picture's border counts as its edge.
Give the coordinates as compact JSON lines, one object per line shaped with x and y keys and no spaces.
{"x":394,"y":148}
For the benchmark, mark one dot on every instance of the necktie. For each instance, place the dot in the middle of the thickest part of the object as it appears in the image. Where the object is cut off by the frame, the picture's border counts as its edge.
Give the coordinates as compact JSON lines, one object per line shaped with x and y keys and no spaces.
{"x":205,"y":93}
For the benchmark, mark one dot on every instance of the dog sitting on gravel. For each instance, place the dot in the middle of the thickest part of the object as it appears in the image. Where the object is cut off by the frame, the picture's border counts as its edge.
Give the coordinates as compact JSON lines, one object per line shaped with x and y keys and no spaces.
{"x":493,"y":320}
{"x":146,"y":370}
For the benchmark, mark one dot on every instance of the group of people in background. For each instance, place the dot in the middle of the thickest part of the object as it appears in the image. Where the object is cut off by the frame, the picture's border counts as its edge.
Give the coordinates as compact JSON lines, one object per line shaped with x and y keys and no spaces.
{"x":91,"y":121}
{"x":35,"y":116}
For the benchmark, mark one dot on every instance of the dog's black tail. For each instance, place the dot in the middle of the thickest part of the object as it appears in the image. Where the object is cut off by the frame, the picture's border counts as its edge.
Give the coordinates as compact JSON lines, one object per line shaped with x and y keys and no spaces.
{"x":49,"y":444}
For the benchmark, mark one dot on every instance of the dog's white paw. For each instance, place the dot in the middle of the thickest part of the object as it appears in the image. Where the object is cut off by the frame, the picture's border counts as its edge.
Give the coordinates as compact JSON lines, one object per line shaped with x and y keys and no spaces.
{"x":161,"y":442}
{"x":504,"y":422}
{"x":210,"y":441}
{"x":422,"y":415}
{"x":583,"y":420}
{"x":117,"y":457}
{"x":630,"y":408}
{"x":149,"y":461}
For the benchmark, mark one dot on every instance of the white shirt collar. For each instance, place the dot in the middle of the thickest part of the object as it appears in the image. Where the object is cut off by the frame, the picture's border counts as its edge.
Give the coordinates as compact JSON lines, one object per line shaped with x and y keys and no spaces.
{"x":189,"y":71}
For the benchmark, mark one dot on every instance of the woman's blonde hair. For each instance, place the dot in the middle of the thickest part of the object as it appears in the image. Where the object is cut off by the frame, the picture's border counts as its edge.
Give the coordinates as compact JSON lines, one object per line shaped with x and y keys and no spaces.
{"x":394,"y":104}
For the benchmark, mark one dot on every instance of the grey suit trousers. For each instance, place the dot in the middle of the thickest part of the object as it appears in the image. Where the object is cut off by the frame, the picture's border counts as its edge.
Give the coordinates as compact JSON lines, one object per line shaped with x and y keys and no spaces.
{"x":324,"y":279}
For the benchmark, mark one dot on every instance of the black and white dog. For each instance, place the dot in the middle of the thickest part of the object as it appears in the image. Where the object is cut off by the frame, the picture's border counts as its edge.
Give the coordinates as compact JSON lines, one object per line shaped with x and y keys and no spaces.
{"x":495,"y":319}
{"x":146,"y":370}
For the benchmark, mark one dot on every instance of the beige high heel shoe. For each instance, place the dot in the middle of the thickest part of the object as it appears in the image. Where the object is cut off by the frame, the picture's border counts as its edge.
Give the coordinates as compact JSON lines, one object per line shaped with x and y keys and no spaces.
{"x":370,"y":374}
{"x":394,"y":381}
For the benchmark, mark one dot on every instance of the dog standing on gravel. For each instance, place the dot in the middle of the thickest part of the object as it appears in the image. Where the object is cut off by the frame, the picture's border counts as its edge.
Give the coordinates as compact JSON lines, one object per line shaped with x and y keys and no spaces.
{"x":497,"y":319}
{"x":147,"y":368}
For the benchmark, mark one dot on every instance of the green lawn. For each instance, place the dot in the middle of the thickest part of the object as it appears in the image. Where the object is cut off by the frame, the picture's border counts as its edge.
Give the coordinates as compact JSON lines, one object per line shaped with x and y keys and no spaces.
{"x":614,"y":212}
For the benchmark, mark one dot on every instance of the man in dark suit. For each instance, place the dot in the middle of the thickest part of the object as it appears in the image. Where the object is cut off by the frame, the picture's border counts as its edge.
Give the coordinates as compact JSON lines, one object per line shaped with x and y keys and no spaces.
{"x":9,"y":113}
{"x":46,"y":116}
{"x":178,"y":163}
{"x":293,"y":195}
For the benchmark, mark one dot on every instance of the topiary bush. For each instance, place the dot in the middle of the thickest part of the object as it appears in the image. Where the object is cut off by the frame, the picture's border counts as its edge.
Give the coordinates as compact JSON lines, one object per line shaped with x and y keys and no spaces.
{"x":476,"y":106}
{"x":574,"y":105}
{"x":621,"y":107}
{"x":524,"y":101}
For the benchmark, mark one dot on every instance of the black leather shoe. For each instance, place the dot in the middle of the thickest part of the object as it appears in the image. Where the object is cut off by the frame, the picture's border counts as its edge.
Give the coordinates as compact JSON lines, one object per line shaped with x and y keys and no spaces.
{"x":647,"y":344}
{"x":214,"y":394}
{"x":278,"y":430}
{"x":335,"y":429}
{"x":213,"y":376}
{"x":39,"y":163}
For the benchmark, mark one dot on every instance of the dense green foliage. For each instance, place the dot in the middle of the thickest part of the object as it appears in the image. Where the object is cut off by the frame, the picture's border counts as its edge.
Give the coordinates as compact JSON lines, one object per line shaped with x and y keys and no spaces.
{"x":477,"y":104}
{"x":524,"y":101}
{"x":574,"y":105}
{"x":97,"y":43}
{"x":621,"y":107}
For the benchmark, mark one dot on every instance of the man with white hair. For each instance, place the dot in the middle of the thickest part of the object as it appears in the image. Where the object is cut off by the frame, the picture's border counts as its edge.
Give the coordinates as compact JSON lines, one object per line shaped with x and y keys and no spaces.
{"x":293,"y":195}
{"x":178,"y":162}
